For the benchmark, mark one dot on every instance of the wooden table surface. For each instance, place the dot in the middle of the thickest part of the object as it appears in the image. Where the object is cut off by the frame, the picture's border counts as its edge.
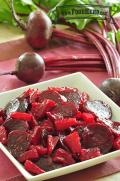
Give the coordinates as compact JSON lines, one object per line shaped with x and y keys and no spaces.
{"x":8,"y":34}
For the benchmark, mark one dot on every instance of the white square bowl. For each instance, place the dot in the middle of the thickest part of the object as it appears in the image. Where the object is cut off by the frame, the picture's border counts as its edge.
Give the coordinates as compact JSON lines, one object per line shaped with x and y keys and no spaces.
{"x":76,"y":80}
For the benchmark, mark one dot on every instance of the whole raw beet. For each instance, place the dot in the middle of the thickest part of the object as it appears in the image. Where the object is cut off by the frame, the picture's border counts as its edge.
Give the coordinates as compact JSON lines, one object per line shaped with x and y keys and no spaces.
{"x":39,"y":29}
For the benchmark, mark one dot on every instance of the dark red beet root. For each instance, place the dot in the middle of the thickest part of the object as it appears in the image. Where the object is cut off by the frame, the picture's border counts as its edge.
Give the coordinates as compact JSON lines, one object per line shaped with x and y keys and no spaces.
{"x":116,"y":143}
{"x":51,"y":143}
{"x":39,"y":109}
{"x":73,"y":142}
{"x":16,"y":105}
{"x":63,"y":157}
{"x":39,"y":29}
{"x":18,"y":142}
{"x":3,"y":135}
{"x":29,"y":155}
{"x":71,"y":94}
{"x":97,"y":135}
{"x":33,"y":168}
{"x":63,"y":124}
{"x":87,"y":154}
{"x":99,"y":108}
{"x":30,"y":67}
{"x":47,"y":164}
{"x":52,"y":95}
{"x":12,"y":124}
{"x":66,"y":109}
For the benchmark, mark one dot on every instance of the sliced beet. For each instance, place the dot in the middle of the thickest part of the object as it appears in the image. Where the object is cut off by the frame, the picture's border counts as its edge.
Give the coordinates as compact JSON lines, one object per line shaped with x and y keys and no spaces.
{"x":52,"y":95}
{"x":19,"y":105}
{"x":47,"y":164}
{"x":66,"y":109}
{"x":12,"y":124}
{"x":72,"y":95}
{"x":18,"y":142}
{"x":97,"y":135}
{"x":99,"y":108}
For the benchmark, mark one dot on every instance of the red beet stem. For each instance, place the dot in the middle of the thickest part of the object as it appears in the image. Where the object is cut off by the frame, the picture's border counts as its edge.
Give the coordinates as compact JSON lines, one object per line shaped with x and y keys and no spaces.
{"x":71,"y":69}
{"x":70,"y":35}
{"x":115,"y":61}
{"x":102,"y":51}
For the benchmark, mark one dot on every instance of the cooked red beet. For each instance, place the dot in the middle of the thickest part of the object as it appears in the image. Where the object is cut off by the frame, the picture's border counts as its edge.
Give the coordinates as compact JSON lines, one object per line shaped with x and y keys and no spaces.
{"x":51,"y":143}
{"x":89,"y":153}
{"x":99,"y":108}
{"x":47,"y":164}
{"x":71,"y":94}
{"x":73,"y":142}
{"x":39,"y":109}
{"x":33,"y":168}
{"x":63,"y":157}
{"x":29,"y":155}
{"x":66,"y":109}
{"x":66,"y":123}
{"x":52,"y":95}
{"x":18,"y":142}
{"x":12,"y":124}
{"x":116,"y":143}
{"x":97,"y":135}
{"x":84,"y":97}
{"x":17,"y":104}
{"x":3,"y":135}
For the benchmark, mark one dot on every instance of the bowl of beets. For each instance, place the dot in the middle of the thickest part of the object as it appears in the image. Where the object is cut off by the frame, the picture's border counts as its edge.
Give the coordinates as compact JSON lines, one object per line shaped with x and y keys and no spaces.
{"x":47,"y":127}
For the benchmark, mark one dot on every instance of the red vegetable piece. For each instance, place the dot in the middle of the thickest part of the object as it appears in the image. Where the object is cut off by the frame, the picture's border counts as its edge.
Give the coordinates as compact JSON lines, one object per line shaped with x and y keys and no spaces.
{"x":33,"y":122}
{"x":21,"y":116}
{"x":78,"y":115}
{"x":3,"y":135}
{"x":97,"y":135}
{"x":89,"y":153}
{"x":71,"y":94}
{"x":39,"y":109}
{"x":41,"y":150}
{"x":116,"y":143}
{"x":16,"y":105}
{"x":12,"y":124}
{"x":99,"y":108}
{"x":51,"y":143}
{"x":47,"y":124}
{"x":84,"y":97}
{"x":51,"y":95}
{"x":34,"y":95}
{"x":89,"y":118}
{"x":63,"y":157}
{"x":1,"y":120}
{"x":65,"y":123}
{"x":64,"y":110}
{"x":18,"y":142}
{"x":29,"y":155}
{"x":73,"y":142}
{"x":33,"y":168}
{"x":36,"y":135}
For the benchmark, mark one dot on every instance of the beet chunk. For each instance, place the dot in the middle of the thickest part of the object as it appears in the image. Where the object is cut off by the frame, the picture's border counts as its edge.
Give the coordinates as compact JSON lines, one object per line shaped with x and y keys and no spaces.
{"x":16,"y":105}
{"x":12,"y":124}
{"x":47,"y":164}
{"x":3,"y":135}
{"x":33,"y":168}
{"x":89,"y":153}
{"x":18,"y":142}
{"x":99,"y":108}
{"x":52,"y":95}
{"x":66,"y":109}
{"x":97,"y":135}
